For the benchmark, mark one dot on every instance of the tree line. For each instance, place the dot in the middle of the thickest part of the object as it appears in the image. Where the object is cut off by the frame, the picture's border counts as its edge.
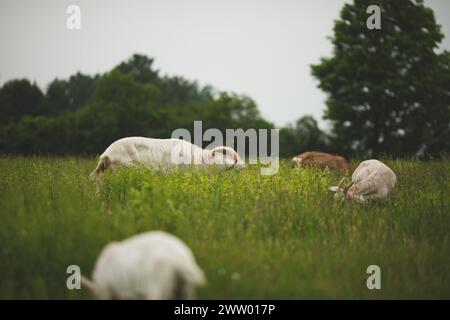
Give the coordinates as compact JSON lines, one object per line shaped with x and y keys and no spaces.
{"x":84,"y":114}
{"x":388,"y":92}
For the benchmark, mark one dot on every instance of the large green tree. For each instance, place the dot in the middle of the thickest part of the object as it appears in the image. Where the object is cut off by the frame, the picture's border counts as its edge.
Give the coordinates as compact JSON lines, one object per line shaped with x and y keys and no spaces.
{"x":68,"y":95}
{"x":84,"y":114}
{"x":388,"y":89}
{"x":19,"y":98}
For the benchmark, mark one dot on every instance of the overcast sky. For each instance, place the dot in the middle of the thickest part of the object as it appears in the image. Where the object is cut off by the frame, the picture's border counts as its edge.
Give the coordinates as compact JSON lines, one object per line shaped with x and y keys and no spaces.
{"x":259,"y":48}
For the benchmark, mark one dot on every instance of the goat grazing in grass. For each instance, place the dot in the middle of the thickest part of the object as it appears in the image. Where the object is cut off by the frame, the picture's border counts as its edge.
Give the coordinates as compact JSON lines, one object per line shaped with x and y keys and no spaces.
{"x":371,"y":180}
{"x":152,"y":266}
{"x":321,"y":160}
{"x":164,"y":154}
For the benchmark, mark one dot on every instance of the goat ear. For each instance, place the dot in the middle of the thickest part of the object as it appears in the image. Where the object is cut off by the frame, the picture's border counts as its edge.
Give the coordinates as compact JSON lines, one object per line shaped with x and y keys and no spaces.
{"x":225,"y":150}
{"x":220,"y":149}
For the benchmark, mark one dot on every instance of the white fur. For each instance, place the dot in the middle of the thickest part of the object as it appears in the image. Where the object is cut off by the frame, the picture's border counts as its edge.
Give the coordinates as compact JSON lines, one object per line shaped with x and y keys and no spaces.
{"x":152,"y":265}
{"x":371,"y":180}
{"x":166,"y":153}
{"x":296,"y":160}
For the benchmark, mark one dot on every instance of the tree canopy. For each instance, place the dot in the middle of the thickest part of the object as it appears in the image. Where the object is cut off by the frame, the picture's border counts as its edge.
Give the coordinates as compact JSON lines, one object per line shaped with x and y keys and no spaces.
{"x":388,"y":89}
{"x":84,"y":114}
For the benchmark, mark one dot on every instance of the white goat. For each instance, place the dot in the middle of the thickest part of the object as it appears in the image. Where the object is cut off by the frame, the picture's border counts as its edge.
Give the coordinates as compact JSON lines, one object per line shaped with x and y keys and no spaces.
{"x":152,"y":266}
{"x":163,"y":154}
{"x":371,"y":180}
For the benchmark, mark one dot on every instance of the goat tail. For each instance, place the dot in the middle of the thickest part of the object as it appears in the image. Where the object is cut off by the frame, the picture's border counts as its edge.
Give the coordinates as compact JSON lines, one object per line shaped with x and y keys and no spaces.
{"x":102,"y":165}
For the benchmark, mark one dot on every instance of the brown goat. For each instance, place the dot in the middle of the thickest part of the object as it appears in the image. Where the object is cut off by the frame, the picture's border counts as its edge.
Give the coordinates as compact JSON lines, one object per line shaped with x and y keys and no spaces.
{"x":321,"y":160}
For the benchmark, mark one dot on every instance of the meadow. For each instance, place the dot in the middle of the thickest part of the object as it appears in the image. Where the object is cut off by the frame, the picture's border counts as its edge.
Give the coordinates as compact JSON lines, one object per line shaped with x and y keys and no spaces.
{"x":255,"y":237}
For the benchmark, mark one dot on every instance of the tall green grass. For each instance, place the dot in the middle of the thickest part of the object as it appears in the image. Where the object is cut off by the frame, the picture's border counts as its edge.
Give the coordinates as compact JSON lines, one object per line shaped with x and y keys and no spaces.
{"x":256,"y":237}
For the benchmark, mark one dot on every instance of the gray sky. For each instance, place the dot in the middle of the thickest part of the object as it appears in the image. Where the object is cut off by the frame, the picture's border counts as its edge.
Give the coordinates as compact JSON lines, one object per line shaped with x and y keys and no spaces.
{"x":259,"y":48}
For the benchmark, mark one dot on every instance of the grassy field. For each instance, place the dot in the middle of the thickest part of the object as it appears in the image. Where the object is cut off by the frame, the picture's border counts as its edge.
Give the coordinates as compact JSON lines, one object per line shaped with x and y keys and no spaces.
{"x":273,"y":237}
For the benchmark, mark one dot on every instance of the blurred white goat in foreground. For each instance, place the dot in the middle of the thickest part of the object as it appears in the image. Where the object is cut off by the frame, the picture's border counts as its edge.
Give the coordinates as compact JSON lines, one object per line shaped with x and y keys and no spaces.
{"x":163,"y":154}
{"x":371,"y":180}
{"x":152,"y":265}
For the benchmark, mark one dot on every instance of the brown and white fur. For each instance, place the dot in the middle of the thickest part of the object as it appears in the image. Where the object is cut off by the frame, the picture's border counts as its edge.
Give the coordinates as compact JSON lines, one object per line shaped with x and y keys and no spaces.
{"x":321,"y":160}
{"x":164,"y":154}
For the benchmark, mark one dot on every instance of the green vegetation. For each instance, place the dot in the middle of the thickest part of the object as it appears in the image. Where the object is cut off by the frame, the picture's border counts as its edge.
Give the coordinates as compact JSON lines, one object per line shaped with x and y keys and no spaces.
{"x":388,"y":92}
{"x":85,"y":114}
{"x":278,"y":237}
{"x":389,"y":89}
{"x":275,"y":237}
